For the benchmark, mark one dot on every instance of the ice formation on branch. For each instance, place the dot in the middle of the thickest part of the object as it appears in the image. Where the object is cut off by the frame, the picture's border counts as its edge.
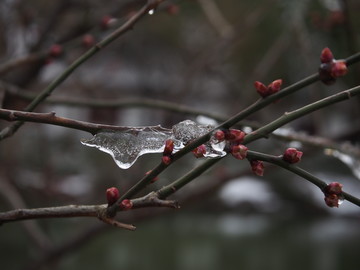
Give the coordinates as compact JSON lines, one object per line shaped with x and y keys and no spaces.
{"x":127,"y":145}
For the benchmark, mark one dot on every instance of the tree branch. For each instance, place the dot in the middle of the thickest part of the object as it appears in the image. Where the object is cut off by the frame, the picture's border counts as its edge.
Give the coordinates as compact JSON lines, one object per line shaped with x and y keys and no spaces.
{"x":151,"y":4}
{"x":301,"y":172}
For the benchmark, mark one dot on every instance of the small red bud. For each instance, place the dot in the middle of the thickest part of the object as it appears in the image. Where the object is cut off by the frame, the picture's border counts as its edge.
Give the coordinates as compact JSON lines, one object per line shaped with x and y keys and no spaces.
{"x":333,"y":188}
{"x":326,"y":56}
{"x":219,"y":135}
{"x":338,"y":69}
{"x":166,"y":160}
{"x":257,"y":167}
{"x":112,"y":195}
{"x":107,"y":21}
{"x":239,"y":151}
{"x":88,"y":40}
{"x":199,"y":151}
{"x":169,"y":147}
{"x":126,"y":204}
{"x":275,"y":86}
{"x":261,"y":88}
{"x":235,"y":135}
{"x":55,"y":50}
{"x":332,"y":200}
{"x":292,"y":155}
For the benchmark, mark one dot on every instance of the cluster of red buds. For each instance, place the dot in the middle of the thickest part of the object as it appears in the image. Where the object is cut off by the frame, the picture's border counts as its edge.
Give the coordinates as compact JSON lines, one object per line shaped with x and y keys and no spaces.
{"x":272,"y":88}
{"x":292,"y":155}
{"x":257,"y":166}
{"x":330,"y":68}
{"x":333,"y":194}
{"x":233,"y":138}
{"x":168,"y":149}
{"x":112,"y":195}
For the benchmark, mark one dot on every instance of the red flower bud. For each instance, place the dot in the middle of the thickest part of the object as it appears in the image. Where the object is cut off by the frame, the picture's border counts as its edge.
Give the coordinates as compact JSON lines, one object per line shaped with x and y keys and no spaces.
{"x":112,"y":195}
{"x":338,"y":69}
{"x":333,"y":188}
{"x":219,"y":135}
{"x":257,"y":167}
{"x":292,"y":155}
{"x":88,"y":40}
{"x":200,"y":151}
{"x":169,"y":147}
{"x":261,"y":88}
{"x":235,"y":135}
{"x":275,"y":86}
{"x":55,"y":50}
{"x":166,"y":160}
{"x":239,"y":151}
{"x":332,"y":200}
{"x":126,"y":204}
{"x":107,"y":21}
{"x":326,"y":56}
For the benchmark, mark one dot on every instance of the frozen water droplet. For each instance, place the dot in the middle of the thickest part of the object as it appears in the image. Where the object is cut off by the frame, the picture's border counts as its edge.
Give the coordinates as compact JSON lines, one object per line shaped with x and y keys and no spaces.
{"x":151,"y":11}
{"x":341,"y":199}
{"x":126,"y":146}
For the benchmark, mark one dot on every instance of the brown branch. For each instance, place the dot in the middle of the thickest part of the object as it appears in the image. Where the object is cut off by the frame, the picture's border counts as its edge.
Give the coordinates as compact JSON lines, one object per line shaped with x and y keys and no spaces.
{"x":52,"y":119}
{"x":99,"y":211}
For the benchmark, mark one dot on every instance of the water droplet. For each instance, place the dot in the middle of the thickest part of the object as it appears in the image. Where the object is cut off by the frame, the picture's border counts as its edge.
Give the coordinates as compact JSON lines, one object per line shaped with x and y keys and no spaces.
{"x":341,"y":199}
{"x":151,"y":11}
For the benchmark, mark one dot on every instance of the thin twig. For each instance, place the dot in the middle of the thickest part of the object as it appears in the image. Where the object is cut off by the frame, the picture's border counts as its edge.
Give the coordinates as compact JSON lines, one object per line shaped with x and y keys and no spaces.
{"x":298,"y":171}
{"x":128,"y":25}
{"x":258,"y":105}
{"x":261,"y":132}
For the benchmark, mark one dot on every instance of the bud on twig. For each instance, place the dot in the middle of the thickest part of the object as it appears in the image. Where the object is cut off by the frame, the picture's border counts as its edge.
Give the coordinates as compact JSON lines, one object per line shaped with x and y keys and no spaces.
{"x":333,"y":194}
{"x":235,"y":135}
{"x":257,"y":167}
{"x":272,"y":88}
{"x":55,"y":50}
{"x":330,"y":68}
{"x":199,"y":151}
{"x":169,"y":147}
{"x":126,"y":204}
{"x":239,"y":151}
{"x":292,"y":155}
{"x":112,"y":195}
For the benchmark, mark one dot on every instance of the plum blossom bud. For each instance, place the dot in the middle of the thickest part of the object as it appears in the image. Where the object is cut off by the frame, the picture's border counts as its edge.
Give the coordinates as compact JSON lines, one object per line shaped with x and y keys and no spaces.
{"x":126,"y":204}
{"x":333,"y":188}
{"x":219,"y":135}
{"x":338,"y":69}
{"x":239,"y":151}
{"x":235,"y":135}
{"x":112,"y":195}
{"x":275,"y":86}
{"x":169,"y":147}
{"x":261,"y":88}
{"x":55,"y":50}
{"x":166,"y":160}
{"x":332,"y":200}
{"x":257,"y":167}
{"x":88,"y":40}
{"x":107,"y":21}
{"x":292,"y":155}
{"x":199,"y":151}
{"x":326,"y":56}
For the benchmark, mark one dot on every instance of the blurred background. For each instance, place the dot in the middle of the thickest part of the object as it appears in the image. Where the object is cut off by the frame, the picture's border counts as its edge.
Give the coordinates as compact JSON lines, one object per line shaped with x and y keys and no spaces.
{"x":202,"y":55}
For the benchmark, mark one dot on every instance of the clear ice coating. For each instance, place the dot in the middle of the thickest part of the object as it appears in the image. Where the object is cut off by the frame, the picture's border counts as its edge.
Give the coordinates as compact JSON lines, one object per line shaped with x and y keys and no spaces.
{"x":127,"y":145}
